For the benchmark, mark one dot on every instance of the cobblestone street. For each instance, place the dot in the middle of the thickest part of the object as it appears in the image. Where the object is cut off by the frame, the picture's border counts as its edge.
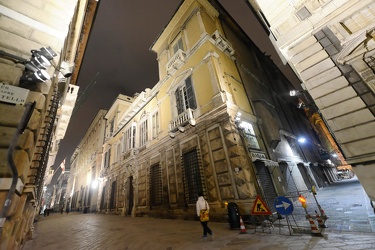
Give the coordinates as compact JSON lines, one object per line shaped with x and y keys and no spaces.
{"x":350,"y":223}
{"x":347,"y":207}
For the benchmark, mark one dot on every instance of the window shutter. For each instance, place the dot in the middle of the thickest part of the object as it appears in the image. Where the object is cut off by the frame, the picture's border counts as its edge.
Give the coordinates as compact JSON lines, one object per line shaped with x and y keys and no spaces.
{"x":190,"y":93}
{"x":179,"y":101}
{"x":178,"y":46}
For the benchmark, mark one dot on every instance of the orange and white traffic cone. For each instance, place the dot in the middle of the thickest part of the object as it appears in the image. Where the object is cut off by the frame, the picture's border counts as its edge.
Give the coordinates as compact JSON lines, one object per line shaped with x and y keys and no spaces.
{"x":322,"y":213}
{"x":314,"y":228}
{"x":242,"y":225}
{"x":320,"y":221}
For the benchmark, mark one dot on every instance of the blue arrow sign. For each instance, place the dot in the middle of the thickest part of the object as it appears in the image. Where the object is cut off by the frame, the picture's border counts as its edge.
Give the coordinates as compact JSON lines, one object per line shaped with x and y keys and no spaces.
{"x":283,"y":205}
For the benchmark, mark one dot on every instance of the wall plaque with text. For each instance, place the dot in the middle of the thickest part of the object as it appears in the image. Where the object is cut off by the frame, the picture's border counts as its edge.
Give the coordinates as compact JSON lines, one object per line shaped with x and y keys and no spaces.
{"x":13,"y":94}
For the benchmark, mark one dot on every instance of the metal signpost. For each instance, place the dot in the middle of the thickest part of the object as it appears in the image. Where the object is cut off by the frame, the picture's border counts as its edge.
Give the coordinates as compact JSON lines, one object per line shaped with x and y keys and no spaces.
{"x":284,"y":206}
{"x":260,"y":209}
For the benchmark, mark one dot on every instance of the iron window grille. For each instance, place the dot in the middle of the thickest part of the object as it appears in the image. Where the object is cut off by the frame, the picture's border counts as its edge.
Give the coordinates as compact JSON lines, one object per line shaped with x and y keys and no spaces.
{"x":112,"y":201}
{"x":193,"y":176}
{"x":156,"y":188}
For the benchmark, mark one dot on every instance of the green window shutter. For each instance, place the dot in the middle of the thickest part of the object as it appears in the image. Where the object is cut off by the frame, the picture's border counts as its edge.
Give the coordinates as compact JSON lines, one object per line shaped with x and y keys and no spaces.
{"x":190,"y":93}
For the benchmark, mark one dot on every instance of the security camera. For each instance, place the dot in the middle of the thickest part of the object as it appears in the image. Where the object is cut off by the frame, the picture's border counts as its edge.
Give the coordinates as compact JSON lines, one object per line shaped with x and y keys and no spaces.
{"x":65,"y":72}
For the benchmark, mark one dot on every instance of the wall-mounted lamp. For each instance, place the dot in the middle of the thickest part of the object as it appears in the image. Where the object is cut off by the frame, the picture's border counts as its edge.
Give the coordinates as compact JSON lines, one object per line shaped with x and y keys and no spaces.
{"x":35,"y":67}
{"x":301,"y":104}
{"x":47,"y":52}
{"x":34,"y":76}
{"x":301,"y":139}
{"x":39,"y":60}
{"x":65,"y":70}
{"x":95,"y":184}
{"x":293,"y":92}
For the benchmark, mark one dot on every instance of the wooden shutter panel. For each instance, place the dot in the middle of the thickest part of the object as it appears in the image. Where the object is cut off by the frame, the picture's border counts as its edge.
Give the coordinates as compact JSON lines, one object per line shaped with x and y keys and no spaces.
{"x":190,"y":93}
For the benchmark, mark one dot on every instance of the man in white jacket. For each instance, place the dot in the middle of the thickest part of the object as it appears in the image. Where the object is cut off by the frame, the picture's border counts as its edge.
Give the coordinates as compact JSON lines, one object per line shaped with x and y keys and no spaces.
{"x":203,"y":204}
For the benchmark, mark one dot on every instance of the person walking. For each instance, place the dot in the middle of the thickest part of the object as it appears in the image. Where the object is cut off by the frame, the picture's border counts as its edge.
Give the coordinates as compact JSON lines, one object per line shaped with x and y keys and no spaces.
{"x":203,"y":213}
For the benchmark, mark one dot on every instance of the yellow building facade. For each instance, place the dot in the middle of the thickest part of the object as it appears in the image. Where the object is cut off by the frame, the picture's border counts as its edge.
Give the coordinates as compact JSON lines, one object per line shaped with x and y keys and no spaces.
{"x":215,"y":122}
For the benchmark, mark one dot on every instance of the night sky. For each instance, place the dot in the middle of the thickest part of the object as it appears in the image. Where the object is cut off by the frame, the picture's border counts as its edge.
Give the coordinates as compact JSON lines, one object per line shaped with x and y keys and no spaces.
{"x":118,"y":60}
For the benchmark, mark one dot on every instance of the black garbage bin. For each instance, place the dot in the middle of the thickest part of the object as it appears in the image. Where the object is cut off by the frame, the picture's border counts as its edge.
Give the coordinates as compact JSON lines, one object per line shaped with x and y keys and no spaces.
{"x":85,"y":210}
{"x":234,"y":215}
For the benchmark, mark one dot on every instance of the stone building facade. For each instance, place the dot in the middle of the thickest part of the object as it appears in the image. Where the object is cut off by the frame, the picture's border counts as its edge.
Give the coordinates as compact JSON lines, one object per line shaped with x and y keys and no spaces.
{"x":41,"y":46}
{"x":59,"y":192}
{"x":82,"y":186}
{"x":330,"y":45}
{"x":218,"y":121}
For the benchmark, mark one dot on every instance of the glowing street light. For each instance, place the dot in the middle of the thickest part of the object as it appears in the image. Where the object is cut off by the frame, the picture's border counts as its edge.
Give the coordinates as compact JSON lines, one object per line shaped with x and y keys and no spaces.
{"x":301,"y":139}
{"x":95,"y":184}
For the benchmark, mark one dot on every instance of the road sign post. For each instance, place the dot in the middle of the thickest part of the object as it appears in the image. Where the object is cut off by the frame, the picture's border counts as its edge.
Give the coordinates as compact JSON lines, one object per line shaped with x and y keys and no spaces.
{"x":260,"y":209}
{"x":284,"y":206}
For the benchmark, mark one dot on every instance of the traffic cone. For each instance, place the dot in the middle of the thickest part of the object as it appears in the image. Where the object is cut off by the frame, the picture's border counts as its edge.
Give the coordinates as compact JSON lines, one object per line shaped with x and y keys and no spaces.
{"x":322,"y":213}
{"x":314,"y":228}
{"x":320,"y":221}
{"x":242,"y":225}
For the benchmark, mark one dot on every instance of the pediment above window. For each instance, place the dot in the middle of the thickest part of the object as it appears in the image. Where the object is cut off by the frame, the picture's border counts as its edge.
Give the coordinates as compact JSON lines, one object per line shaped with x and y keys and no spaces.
{"x":179,"y":79}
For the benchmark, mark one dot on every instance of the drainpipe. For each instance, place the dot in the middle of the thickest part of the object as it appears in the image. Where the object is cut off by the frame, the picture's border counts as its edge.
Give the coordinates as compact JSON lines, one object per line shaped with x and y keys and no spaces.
{"x":29,"y":108}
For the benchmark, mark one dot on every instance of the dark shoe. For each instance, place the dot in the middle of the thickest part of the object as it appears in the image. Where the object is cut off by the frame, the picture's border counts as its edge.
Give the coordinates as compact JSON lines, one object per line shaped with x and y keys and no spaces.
{"x":204,"y":236}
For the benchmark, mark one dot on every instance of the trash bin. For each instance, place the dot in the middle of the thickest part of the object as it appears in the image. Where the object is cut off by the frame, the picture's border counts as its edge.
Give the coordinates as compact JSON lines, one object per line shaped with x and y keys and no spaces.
{"x":234,"y":215}
{"x":85,"y":210}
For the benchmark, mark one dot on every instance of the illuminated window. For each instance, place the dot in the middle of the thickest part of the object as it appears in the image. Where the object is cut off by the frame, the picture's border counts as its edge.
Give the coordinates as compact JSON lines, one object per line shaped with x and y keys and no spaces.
{"x":249,"y":134}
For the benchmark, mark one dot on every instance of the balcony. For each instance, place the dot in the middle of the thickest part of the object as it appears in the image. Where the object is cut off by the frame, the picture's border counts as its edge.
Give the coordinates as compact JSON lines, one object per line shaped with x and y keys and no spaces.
{"x":176,"y":61}
{"x":182,"y":120}
{"x":222,"y":43}
{"x":129,"y":153}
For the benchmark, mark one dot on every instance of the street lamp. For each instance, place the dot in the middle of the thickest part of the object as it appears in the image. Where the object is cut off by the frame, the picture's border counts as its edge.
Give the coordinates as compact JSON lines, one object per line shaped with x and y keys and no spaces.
{"x":94,"y":184}
{"x":301,"y":139}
